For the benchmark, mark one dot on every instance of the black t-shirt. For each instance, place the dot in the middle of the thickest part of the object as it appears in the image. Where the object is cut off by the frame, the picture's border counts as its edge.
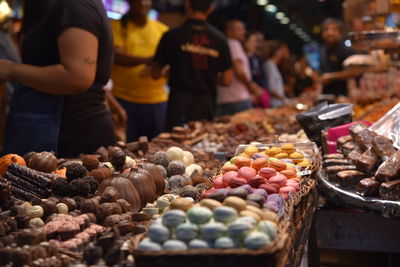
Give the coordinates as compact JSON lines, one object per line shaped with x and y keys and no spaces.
{"x":40,"y":48}
{"x":196,"y":53}
{"x":332,"y":59}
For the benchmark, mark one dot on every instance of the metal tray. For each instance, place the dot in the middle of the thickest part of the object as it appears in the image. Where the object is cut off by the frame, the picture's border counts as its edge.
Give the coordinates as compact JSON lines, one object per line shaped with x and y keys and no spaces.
{"x":348,"y":197}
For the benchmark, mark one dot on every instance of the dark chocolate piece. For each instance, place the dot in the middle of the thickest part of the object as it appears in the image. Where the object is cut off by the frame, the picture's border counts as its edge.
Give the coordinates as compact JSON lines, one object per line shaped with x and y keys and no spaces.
{"x":355,"y":154}
{"x":334,"y":156}
{"x":30,"y":237}
{"x":343,"y":140}
{"x":348,"y":178}
{"x":383,"y":147}
{"x":348,"y":147}
{"x":30,"y":175}
{"x":26,"y":185}
{"x":332,"y":171}
{"x":335,"y":162}
{"x":368,"y":187}
{"x":364,"y":139}
{"x":390,"y":190}
{"x":367,"y":162}
{"x":356,"y":129}
{"x":390,"y":169}
{"x":22,"y":194}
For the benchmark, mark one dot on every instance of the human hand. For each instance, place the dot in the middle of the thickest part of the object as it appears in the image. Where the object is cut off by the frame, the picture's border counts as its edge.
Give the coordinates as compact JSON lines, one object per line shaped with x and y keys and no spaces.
{"x":325,"y":78}
{"x":5,"y":70}
{"x":122,"y":117}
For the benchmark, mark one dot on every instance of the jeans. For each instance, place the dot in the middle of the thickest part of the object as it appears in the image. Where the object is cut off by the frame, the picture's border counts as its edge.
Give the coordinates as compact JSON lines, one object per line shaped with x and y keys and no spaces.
{"x":144,"y":119}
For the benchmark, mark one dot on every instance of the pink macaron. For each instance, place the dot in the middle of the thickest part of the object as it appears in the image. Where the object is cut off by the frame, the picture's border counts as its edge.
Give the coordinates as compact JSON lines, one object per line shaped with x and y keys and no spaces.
{"x":269,"y":188}
{"x":293,"y":184}
{"x":246,"y":173}
{"x":267,"y":172}
{"x":256,"y":181}
{"x":279,"y":179}
{"x":218,"y":183}
{"x":287,"y":190}
{"x":228,"y":176}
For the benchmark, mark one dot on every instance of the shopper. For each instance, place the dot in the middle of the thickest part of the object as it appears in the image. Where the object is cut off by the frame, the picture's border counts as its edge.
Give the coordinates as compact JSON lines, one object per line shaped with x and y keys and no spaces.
{"x":136,"y":38}
{"x":8,"y":51}
{"x":196,"y":53}
{"x":273,"y":53}
{"x":238,"y":96}
{"x":67,"y":58}
{"x":251,"y":46}
{"x":255,"y":62}
{"x":333,"y":54}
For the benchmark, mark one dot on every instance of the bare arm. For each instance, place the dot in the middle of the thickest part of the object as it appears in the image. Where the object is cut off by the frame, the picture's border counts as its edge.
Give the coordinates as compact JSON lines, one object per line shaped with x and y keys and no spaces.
{"x":126,"y":60}
{"x":241,"y":75}
{"x":116,"y":108}
{"x":75,"y":74}
{"x":226,"y":78}
{"x":340,"y":75}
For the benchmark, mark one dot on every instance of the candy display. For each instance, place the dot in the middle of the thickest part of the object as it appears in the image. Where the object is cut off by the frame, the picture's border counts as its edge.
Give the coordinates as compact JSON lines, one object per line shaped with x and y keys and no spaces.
{"x":229,"y":225}
{"x":172,"y":196}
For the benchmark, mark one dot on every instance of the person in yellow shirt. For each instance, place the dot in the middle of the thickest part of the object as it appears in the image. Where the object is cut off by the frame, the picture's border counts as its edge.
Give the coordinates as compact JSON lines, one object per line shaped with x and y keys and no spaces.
{"x":136,"y":38}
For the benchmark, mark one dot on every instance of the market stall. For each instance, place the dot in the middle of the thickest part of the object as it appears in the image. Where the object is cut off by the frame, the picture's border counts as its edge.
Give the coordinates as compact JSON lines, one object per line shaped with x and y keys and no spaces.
{"x":165,"y":202}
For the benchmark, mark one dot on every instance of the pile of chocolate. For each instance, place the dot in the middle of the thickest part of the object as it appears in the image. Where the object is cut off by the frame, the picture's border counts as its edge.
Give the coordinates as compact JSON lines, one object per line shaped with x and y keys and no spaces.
{"x":368,"y":161}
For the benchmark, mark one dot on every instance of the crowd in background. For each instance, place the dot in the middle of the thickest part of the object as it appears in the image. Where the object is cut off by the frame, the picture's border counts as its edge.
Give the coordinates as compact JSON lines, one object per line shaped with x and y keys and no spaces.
{"x":160,"y":77}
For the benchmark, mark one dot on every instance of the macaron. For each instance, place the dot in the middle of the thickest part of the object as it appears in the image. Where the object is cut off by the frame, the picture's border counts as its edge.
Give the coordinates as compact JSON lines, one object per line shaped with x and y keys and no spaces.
{"x":228,"y":176}
{"x":278,"y":165}
{"x":218,"y":183}
{"x":269,"y":188}
{"x":293,"y":184}
{"x":281,"y":156}
{"x":258,"y":155}
{"x":246,"y":173}
{"x":304,"y":164}
{"x":259,"y":163}
{"x":236,"y":182}
{"x":250,"y":150}
{"x":288,"y":148}
{"x":279,"y":179}
{"x":257,"y":181}
{"x":289,"y":173}
{"x":229,"y":167}
{"x":273,"y":151}
{"x":287,"y":190}
{"x":241,"y":161}
{"x":267,"y":172}
{"x":297,"y":157}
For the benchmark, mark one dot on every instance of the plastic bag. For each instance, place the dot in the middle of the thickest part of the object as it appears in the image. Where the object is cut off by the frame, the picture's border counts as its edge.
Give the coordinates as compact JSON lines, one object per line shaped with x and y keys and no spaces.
{"x":323,"y":117}
{"x":389,"y":126}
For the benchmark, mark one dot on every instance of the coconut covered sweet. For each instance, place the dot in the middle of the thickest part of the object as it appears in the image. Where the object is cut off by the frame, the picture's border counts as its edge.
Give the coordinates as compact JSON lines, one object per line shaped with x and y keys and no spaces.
{"x":161,"y":158}
{"x":175,"y":167}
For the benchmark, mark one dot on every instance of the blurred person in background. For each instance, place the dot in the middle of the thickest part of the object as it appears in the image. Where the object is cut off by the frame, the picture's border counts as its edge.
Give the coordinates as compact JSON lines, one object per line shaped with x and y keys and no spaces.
{"x":305,"y":78}
{"x":251,"y":46}
{"x":8,"y":51}
{"x":333,"y":54}
{"x":67,"y":54}
{"x":273,"y":53}
{"x":136,"y":38}
{"x":288,"y":72}
{"x":199,"y":59}
{"x":239,"y":95}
